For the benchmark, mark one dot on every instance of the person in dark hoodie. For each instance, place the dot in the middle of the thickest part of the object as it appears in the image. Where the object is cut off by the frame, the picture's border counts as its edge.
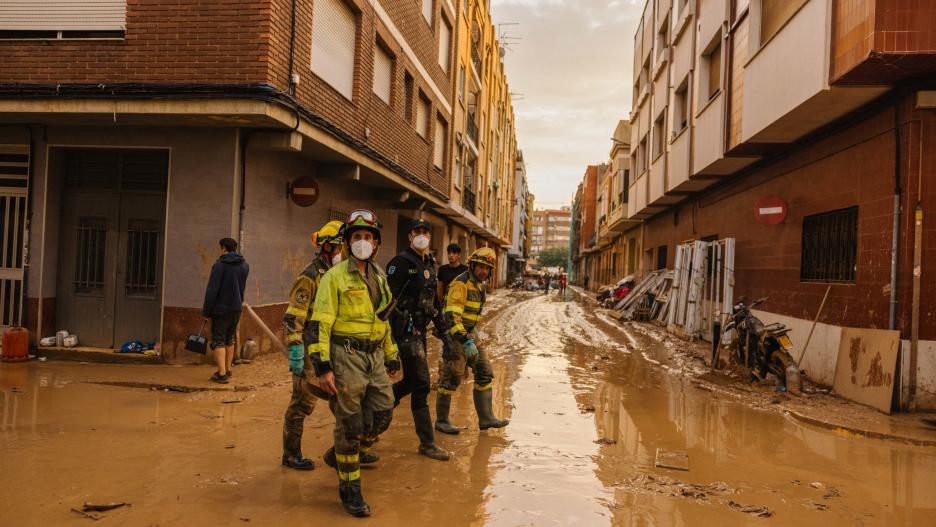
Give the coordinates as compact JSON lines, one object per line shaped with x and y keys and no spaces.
{"x":223,"y":299}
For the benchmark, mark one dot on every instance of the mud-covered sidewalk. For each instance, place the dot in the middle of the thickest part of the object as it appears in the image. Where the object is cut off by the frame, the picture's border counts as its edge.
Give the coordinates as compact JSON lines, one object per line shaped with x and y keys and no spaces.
{"x":592,"y":402}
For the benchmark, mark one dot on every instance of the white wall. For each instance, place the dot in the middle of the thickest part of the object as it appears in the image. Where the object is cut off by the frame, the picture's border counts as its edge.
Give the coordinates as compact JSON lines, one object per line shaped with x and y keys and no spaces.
{"x":823,"y":347}
{"x":789,"y":70}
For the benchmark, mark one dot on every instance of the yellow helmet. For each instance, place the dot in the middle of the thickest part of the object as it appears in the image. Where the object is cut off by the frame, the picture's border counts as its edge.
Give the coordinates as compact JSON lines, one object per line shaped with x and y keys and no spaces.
{"x":484,"y":256}
{"x":329,"y":233}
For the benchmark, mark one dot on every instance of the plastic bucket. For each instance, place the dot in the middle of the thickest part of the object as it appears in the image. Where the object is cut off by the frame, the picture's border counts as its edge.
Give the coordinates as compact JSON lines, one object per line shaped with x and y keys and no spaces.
{"x":15,"y":344}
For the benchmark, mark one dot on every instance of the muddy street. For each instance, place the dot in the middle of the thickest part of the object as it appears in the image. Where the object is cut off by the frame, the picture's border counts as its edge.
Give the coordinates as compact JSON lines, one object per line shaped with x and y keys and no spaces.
{"x":590,"y":402}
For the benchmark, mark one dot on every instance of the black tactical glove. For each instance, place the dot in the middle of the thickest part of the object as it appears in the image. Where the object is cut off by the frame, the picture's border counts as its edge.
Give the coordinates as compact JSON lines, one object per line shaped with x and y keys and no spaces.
{"x":393,"y":366}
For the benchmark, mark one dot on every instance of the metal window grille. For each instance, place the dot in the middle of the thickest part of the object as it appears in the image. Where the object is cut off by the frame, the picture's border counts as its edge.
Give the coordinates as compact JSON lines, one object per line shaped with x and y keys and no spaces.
{"x":830,"y":246}
{"x":91,"y":258}
{"x":142,"y":257}
{"x":337,"y":215}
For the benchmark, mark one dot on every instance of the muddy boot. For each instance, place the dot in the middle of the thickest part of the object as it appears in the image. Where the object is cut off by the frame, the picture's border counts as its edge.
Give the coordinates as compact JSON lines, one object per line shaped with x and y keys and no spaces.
{"x":443,"y":403}
{"x":364,"y":458}
{"x":486,"y":418}
{"x":352,"y":499}
{"x":292,"y":446}
{"x":427,"y":446}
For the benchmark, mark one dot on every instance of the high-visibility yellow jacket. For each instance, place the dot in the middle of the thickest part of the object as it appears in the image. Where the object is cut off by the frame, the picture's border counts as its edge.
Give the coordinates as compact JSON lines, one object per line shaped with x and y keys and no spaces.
{"x":463,"y":303}
{"x":343,"y":308}
{"x":301,"y":298}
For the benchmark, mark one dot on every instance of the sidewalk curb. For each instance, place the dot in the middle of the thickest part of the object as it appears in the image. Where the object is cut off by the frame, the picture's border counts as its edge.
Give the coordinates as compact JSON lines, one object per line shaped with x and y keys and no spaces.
{"x":850,"y":431}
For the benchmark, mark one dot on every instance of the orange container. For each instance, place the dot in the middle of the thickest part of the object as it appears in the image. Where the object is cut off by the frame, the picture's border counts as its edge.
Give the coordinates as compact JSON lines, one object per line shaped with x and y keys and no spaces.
{"x":15,"y":344}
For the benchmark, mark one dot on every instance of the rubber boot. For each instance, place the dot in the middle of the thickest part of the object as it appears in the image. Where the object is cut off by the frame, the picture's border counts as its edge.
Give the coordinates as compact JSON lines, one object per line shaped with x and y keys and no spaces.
{"x":292,"y":446}
{"x":443,"y":404}
{"x":352,"y":499}
{"x":427,"y":446}
{"x":486,"y":418}
{"x":364,"y":458}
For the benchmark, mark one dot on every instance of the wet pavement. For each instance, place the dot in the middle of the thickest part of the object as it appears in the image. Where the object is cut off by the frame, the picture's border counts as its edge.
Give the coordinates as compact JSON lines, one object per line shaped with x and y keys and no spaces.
{"x":590,"y":402}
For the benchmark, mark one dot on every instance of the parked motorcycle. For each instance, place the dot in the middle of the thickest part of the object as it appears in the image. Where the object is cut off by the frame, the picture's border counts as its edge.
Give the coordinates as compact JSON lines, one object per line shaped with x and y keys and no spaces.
{"x":763,"y":348}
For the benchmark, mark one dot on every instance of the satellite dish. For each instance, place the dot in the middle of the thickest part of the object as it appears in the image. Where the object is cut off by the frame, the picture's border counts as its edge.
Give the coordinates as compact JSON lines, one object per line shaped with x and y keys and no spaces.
{"x":502,"y":52}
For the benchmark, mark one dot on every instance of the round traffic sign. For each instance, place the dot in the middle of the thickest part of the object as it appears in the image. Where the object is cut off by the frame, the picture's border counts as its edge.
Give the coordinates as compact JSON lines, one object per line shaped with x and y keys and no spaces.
{"x":770,"y":210}
{"x":304,"y":191}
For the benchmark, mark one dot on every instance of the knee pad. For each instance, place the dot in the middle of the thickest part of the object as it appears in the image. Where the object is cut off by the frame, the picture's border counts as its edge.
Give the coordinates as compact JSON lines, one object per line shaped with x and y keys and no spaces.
{"x":353,"y":426}
{"x":382,"y":420}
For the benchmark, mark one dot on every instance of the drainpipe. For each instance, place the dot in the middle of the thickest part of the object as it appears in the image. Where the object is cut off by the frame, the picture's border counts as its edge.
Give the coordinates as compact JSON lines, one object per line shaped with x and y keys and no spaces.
{"x":917,"y":275}
{"x":290,"y":83}
{"x":895,"y":242}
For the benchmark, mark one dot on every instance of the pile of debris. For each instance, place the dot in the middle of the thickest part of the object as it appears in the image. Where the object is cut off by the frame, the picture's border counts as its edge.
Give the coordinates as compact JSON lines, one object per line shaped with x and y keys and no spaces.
{"x":690,"y":297}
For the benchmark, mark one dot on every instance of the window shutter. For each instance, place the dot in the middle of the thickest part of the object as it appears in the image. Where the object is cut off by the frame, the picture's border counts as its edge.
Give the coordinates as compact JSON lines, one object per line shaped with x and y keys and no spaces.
{"x":422,"y":117}
{"x":63,"y":15}
{"x":427,"y":10}
{"x":445,"y":33}
{"x":383,"y":73}
{"x":334,"y":31}
{"x":439,"y":153}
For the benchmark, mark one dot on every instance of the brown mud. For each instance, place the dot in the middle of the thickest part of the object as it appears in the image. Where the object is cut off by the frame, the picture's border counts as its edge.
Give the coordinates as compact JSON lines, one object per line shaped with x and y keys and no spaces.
{"x":590,"y":402}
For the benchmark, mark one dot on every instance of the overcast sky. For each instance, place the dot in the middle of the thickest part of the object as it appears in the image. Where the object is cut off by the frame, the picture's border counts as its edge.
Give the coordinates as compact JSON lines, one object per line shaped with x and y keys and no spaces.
{"x":571,"y":77}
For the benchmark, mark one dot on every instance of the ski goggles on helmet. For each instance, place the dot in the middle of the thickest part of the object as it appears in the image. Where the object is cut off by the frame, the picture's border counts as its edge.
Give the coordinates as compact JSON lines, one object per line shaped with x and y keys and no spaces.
{"x":362,"y":218}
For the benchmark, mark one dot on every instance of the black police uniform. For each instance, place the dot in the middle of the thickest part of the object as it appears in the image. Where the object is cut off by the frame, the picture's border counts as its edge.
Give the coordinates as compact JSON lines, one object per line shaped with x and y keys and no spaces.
{"x":413,"y":283}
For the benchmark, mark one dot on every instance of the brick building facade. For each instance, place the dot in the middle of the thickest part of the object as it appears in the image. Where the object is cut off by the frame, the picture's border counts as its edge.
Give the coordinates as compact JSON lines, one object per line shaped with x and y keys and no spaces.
{"x":194,"y":119}
{"x":823,"y":109}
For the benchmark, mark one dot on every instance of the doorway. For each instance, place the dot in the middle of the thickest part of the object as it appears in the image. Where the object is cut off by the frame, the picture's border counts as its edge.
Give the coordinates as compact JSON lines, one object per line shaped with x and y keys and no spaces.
{"x":14,"y":170}
{"x":109,"y":287}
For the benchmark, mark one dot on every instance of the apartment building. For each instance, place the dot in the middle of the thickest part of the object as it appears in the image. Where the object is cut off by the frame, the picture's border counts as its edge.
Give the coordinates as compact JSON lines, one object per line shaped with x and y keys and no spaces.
{"x":519,"y":249}
{"x":803,"y":130}
{"x":550,"y":228}
{"x":135,"y":135}
{"x":585,"y":256}
{"x":619,"y":237}
{"x":483,"y":191}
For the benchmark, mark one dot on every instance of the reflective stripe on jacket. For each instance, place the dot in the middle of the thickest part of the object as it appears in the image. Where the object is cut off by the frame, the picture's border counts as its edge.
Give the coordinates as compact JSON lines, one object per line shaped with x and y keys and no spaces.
{"x":463,"y":303}
{"x":301,"y":299}
{"x":343,"y":308}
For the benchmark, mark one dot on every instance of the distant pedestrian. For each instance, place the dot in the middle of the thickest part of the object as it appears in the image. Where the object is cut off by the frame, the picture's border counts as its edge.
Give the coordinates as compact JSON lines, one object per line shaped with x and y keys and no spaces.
{"x":562,"y":284}
{"x":585,"y":282}
{"x":546,"y":281}
{"x":223,"y":298}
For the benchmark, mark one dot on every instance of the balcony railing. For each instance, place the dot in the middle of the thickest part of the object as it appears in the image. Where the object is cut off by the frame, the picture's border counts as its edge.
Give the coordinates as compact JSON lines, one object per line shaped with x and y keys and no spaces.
{"x":472,"y":128}
{"x":476,"y":60}
{"x":468,"y":201}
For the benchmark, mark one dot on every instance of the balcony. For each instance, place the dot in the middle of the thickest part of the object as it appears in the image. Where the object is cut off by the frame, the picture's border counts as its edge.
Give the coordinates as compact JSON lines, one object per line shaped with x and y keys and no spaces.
{"x":476,"y":60}
{"x":472,"y":128}
{"x":468,"y":201}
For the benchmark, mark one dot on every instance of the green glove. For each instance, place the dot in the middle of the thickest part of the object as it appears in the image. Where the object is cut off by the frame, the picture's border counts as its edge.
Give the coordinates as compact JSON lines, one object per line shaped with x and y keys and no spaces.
{"x":296,"y":364}
{"x":471,"y":349}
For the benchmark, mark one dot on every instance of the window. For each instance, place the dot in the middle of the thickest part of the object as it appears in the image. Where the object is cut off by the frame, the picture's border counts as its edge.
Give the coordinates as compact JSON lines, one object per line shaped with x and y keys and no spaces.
{"x":427,"y":10}
{"x":383,"y":73}
{"x":445,"y":45}
{"x":626,"y":186}
{"x":642,"y":156}
{"x":830,"y":246}
{"x":334,"y":31}
{"x":659,"y":135}
{"x":439,"y":142}
{"x":681,"y":107}
{"x":91,"y":256}
{"x":711,"y":69}
{"x":422,"y":116}
{"x":408,"y":88}
{"x":775,"y":14}
{"x":662,"y":39}
{"x":461,"y":81}
{"x":58,"y":19}
{"x":661,"y":257}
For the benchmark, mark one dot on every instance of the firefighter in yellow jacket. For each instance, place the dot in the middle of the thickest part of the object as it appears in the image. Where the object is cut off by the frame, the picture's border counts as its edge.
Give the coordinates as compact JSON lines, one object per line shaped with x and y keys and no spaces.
{"x":298,"y":323}
{"x":464,"y":301}
{"x":353,"y":353}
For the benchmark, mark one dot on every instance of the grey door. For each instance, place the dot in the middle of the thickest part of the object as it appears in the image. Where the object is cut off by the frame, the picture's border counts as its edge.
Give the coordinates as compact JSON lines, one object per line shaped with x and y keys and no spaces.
{"x":110,"y":249}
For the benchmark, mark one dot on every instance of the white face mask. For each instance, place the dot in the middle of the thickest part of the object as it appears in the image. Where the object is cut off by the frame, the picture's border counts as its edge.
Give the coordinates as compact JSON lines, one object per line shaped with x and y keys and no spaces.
{"x":362,"y":249}
{"x":336,"y":258}
{"x":421,"y":242}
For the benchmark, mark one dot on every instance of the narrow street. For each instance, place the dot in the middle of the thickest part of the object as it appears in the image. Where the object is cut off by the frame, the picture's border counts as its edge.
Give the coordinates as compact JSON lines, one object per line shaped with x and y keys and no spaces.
{"x":590,"y":402}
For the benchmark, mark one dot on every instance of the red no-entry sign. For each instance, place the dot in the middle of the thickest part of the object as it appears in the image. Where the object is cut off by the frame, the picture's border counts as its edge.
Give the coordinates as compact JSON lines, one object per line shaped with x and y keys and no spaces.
{"x":770,"y":210}
{"x":304,"y":191}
